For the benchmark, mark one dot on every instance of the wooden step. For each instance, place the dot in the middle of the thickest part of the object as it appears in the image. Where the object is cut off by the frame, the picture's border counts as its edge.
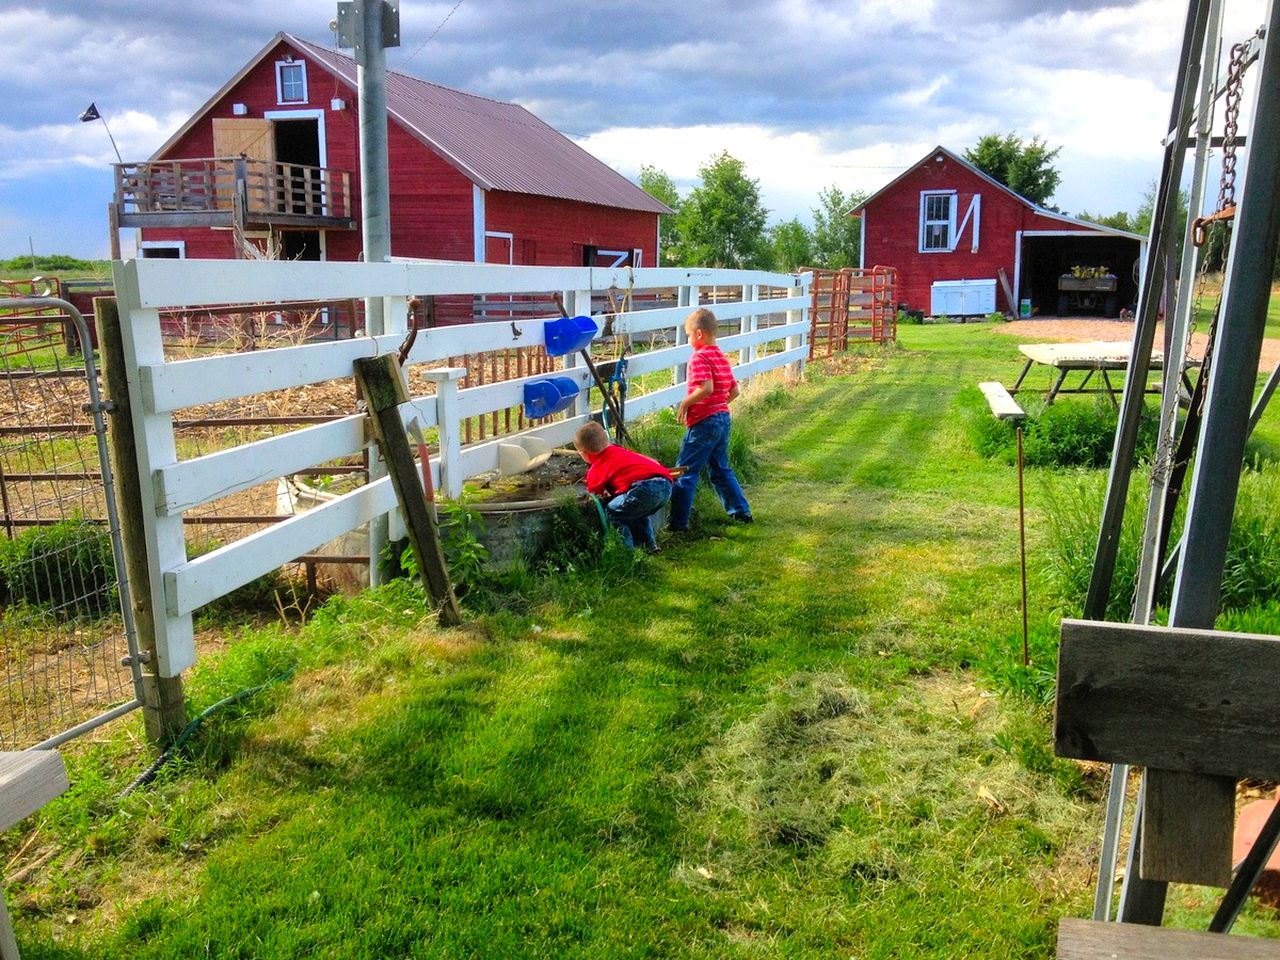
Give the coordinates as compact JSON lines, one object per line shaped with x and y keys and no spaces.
{"x":1094,"y":940}
{"x":1001,"y":401}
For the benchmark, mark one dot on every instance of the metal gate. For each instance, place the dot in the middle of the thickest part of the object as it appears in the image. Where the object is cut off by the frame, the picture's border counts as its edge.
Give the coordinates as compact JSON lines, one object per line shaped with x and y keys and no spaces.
{"x":67,"y":636}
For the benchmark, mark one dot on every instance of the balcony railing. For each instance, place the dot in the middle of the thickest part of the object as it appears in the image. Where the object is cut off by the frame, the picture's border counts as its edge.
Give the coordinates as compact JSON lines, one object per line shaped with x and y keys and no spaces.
{"x":224,"y":191}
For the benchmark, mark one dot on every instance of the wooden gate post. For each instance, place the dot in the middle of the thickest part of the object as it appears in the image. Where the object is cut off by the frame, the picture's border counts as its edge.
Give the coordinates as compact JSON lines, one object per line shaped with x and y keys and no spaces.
{"x":164,"y":710}
{"x":384,"y":391}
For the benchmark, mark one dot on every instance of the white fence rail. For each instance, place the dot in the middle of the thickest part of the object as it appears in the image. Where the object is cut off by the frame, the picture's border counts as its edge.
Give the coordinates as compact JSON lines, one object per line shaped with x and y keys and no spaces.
{"x":769,"y":311}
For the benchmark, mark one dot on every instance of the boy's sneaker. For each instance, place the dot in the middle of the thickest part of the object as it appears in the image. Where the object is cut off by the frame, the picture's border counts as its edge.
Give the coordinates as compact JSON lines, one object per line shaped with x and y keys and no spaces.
{"x":742,"y":518}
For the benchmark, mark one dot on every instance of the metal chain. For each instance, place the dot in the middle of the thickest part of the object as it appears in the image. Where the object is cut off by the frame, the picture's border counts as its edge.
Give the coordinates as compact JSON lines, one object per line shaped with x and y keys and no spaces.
{"x":1231,"y":121}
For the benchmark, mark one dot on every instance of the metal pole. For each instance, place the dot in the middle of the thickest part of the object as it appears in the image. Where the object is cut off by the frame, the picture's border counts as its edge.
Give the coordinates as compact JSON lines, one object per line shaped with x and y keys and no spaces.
{"x":1245,"y":294}
{"x":375,"y":189}
{"x":1163,"y":224}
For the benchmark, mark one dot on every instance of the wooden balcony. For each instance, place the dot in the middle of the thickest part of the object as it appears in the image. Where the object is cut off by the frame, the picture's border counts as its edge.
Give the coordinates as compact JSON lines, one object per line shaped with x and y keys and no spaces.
{"x":232,"y":191}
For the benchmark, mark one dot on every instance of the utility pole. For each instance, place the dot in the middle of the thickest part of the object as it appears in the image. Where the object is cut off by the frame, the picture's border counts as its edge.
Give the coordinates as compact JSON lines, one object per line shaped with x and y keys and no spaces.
{"x":370,"y":26}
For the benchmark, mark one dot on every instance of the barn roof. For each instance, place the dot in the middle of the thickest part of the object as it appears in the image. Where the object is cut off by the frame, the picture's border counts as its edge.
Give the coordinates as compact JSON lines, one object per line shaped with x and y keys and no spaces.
{"x":1086,"y":225}
{"x":496,"y":145}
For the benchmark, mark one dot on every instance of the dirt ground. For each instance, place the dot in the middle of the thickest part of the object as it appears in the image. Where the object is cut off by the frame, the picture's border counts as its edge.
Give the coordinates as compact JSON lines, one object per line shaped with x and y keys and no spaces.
{"x":1084,"y":329}
{"x":557,"y":476}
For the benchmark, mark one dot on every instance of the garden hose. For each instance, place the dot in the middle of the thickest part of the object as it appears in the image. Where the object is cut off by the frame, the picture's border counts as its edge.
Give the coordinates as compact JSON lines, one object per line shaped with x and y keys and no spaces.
{"x":189,"y":730}
{"x":604,"y":520}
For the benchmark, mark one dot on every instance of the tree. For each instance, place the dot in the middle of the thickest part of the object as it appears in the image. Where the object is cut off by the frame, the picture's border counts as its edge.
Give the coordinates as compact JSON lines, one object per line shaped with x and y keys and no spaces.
{"x":663,"y":189}
{"x":1025,"y":168}
{"x":721,"y":223}
{"x":837,"y":237}
{"x":792,"y":245}
{"x":1117,"y":221}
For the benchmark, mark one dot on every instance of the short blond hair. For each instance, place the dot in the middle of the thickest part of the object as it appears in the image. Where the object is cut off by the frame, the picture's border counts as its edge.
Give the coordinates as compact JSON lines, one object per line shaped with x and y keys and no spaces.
{"x":704,"y":320}
{"x":590,"y":437}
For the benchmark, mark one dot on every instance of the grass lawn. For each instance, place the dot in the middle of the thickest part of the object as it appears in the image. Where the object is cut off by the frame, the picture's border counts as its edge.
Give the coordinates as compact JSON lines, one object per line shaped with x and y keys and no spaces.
{"x":770,"y":740}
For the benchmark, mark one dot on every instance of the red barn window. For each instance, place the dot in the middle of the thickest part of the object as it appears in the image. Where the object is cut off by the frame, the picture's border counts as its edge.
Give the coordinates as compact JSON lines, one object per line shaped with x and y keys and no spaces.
{"x":291,"y":81}
{"x":937,"y":221}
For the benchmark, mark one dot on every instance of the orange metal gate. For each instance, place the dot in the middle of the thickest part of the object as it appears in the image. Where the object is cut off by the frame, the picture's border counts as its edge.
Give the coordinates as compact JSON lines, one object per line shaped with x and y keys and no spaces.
{"x":851,"y":304}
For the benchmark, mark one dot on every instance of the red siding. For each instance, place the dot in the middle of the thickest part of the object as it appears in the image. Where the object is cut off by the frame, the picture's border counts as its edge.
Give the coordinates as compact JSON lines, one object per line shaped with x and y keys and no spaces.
{"x":559,"y":229}
{"x":892,"y":231}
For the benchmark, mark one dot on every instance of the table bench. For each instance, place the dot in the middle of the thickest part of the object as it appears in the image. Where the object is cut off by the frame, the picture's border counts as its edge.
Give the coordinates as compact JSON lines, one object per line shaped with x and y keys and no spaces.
{"x":1001,"y":401}
{"x":28,"y":780}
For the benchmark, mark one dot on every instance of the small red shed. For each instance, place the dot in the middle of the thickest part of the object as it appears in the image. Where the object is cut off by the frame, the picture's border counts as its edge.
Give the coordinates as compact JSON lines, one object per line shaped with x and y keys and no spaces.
{"x":944,"y":222}
{"x":470,"y":178}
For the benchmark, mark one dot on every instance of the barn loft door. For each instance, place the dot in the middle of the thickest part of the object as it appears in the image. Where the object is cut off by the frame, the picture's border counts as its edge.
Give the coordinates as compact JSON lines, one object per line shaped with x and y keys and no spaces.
{"x":251,"y":136}
{"x":233,"y":136}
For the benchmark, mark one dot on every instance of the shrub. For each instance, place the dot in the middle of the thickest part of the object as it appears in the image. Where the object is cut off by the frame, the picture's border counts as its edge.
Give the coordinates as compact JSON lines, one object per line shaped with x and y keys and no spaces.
{"x":66,"y":567}
{"x":1068,"y":433}
{"x":1252,"y":567}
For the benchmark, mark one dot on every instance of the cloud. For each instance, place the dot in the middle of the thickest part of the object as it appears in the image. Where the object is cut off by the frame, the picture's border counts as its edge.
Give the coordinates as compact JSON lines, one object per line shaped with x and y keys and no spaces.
{"x":806,"y":92}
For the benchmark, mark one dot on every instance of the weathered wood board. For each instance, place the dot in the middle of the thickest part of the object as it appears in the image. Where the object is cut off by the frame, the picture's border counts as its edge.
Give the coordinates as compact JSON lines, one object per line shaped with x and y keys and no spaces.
{"x":1196,"y":701}
{"x":1095,"y":940}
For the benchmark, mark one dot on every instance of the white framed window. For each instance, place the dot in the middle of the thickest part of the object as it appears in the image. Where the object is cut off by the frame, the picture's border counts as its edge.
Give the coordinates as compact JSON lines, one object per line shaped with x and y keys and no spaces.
{"x":291,"y":81}
{"x":937,"y":221}
{"x":162,"y":249}
{"x":637,"y":257}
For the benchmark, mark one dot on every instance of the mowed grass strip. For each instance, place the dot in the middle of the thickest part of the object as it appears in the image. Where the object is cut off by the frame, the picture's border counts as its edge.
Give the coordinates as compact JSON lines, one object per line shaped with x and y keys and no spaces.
{"x":767,"y":742}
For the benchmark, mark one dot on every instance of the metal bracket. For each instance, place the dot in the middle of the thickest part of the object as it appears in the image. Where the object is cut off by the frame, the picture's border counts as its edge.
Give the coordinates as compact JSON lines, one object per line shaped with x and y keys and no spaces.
{"x":350,"y":24}
{"x":129,"y":659}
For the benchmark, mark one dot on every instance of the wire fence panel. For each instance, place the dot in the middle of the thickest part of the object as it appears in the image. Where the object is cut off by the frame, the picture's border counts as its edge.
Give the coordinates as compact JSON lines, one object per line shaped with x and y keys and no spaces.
{"x":62,"y":634}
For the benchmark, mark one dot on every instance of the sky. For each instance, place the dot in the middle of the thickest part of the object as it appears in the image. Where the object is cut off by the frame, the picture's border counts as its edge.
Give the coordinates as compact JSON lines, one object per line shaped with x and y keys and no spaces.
{"x":808,"y":94}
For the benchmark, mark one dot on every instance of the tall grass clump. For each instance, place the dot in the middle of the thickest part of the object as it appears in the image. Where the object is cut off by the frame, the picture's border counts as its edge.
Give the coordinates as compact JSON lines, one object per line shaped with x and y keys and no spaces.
{"x":1252,"y":571}
{"x":1069,"y":433}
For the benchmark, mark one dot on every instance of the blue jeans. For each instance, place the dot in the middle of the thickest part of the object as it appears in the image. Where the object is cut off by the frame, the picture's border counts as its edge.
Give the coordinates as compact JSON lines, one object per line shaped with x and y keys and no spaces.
{"x":630,"y":511}
{"x":706,"y":444}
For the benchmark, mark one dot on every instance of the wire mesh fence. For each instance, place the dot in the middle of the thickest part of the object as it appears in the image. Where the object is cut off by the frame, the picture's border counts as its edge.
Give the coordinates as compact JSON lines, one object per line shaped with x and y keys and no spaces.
{"x":62,"y":635}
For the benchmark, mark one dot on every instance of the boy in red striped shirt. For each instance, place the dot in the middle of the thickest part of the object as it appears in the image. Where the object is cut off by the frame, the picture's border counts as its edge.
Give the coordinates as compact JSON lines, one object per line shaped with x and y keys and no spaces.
{"x":632,"y":486}
{"x":705,"y":410}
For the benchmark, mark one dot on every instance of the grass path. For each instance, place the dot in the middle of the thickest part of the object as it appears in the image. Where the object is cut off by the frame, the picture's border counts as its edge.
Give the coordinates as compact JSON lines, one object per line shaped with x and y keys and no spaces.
{"x":766,"y":742}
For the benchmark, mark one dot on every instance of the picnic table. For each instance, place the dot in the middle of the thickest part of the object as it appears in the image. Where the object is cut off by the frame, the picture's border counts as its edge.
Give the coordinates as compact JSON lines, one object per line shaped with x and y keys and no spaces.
{"x":1095,"y":357}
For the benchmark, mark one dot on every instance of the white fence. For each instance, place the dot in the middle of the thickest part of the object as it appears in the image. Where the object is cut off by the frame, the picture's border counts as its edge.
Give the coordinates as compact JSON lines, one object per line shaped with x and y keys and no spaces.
{"x":770,"y":314}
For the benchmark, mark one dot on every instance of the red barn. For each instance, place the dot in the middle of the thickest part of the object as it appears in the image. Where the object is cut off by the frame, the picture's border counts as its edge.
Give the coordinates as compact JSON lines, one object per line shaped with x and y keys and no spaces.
{"x":470,"y":178}
{"x":944,"y":221}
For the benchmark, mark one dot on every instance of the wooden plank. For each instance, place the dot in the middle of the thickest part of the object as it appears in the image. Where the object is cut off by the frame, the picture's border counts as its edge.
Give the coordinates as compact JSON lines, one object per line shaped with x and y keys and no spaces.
{"x":1199,"y":701}
{"x":28,"y":780}
{"x":200,"y":480}
{"x":190,"y":585}
{"x":186,"y":283}
{"x":1001,"y":402}
{"x":1187,"y":825}
{"x":384,"y":391}
{"x":1095,"y":940}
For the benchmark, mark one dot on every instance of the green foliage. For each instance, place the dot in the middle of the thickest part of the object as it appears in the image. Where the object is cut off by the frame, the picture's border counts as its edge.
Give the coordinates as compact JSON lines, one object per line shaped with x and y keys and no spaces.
{"x":721,"y":222}
{"x":661,"y":187}
{"x":1070,"y":433}
{"x":1026,"y":168}
{"x":66,"y":568}
{"x":461,"y":530}
{"x":1117,"y":221}
{"x":837,"y":237}
{"x":24,"y":265}
{"x":1146,"y":212}
{"x":1252,"y":567}
{"x":791,"y":244}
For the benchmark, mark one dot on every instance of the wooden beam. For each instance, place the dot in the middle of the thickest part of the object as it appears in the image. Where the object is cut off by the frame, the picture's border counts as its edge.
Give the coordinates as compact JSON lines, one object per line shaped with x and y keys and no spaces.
{"x":28,"y":780}
{"x":1187,"y":825}
{"x":384,"y":390}
{"x":1096,"y":940}
{"x":1195,"y":701}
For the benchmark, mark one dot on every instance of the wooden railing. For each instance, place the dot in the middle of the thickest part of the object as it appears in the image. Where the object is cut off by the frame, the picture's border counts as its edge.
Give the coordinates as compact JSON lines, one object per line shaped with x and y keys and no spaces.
{"x":212,"y":184}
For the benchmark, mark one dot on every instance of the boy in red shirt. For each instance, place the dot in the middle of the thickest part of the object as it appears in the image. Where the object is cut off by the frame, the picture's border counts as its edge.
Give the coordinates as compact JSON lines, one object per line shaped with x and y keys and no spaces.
{"x":705,"y":410}
{"x":632,"y":486}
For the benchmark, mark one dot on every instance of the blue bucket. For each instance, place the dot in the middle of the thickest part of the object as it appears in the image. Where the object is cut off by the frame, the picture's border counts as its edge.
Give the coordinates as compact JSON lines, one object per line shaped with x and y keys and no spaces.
{"x":542,"y":398}
{"x":568,"y":334}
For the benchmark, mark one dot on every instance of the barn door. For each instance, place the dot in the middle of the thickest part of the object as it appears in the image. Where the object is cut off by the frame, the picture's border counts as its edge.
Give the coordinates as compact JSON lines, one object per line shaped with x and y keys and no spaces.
{"x":233,"y":136}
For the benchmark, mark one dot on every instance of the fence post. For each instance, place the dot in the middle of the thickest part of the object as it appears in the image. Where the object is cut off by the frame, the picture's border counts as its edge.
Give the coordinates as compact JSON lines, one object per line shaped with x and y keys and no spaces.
{"x":163,"y":705}
{"x":579,"y":305}
{"x":795,"y":370}
{"x":752,"y":324}
{"x":689,"y":297}
{"x":448,"y":427}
